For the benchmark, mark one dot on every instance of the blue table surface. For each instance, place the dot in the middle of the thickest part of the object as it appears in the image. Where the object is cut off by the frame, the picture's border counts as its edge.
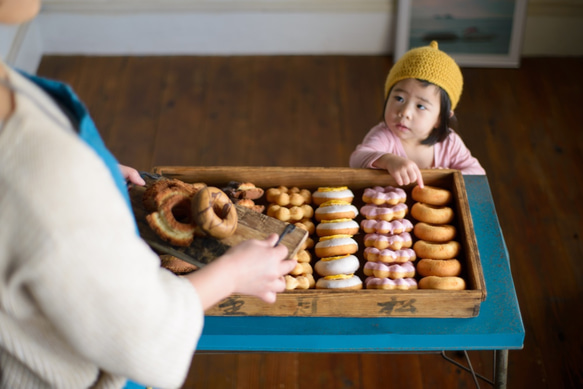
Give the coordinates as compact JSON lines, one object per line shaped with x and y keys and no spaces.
{"x":498,"y":325}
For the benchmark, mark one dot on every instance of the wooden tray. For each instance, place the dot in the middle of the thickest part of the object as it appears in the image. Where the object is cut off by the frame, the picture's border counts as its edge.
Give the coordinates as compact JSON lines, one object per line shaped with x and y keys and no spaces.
{"x":360,"y":303}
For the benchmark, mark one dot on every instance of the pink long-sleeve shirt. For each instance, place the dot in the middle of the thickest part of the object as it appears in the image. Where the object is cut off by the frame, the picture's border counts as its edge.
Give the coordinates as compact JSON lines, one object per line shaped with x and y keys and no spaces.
{"x":452,"y":153}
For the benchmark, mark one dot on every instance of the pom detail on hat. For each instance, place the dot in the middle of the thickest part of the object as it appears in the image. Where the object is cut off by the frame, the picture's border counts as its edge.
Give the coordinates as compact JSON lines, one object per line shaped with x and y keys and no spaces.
{"x":430,"y":64}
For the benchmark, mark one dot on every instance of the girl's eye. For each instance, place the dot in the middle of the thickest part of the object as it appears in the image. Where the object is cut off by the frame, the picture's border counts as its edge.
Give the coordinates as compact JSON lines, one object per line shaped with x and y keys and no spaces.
{"x":399,"y":99}
{"x":421,"y":107}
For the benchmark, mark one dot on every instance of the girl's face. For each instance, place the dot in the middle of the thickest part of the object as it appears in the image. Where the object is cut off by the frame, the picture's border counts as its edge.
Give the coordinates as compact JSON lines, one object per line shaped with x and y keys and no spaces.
{"x":18,"y":11}
{"x":412,"y":110}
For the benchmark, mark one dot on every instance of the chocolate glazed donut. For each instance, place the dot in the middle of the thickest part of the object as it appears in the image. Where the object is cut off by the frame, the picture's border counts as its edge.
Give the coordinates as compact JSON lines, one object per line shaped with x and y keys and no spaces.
{"x":214,"y":212}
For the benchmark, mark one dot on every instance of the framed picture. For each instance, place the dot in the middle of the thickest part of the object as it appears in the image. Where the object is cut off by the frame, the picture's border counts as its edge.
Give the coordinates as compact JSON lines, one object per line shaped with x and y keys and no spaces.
{"x":476,"y":33}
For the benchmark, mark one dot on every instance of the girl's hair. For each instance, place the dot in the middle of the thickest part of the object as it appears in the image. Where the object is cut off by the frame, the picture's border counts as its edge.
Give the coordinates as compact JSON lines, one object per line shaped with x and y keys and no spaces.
{"x":446,"y":122}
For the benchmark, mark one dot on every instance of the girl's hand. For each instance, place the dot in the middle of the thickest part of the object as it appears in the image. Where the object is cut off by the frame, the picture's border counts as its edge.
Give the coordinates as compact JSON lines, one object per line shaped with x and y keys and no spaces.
{"x":131,"y":175}
{"x":403,"y":170}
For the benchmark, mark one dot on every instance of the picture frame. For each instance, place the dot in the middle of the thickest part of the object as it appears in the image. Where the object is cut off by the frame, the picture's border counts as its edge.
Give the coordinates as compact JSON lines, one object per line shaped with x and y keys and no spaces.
{"x":475,"y":33}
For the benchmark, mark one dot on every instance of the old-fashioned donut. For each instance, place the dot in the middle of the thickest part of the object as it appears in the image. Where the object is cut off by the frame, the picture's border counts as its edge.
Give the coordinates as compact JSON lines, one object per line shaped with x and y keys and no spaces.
{"x":432,"y":214}
{"x":172,"y":219}
{"x":431,"y":195}
{"x":335,"y":245}
{"x":155,"y":194}
{"x":432,"y":250}
{"x":337,"y":227}
{"x":442,"y":283}
{"x":214,"y":212}
{"x":327,"y":193}
{"x":343,"y":264}
{"x":340,"y":281}
{"x":434,"y":232}
{"x":439,"y":267}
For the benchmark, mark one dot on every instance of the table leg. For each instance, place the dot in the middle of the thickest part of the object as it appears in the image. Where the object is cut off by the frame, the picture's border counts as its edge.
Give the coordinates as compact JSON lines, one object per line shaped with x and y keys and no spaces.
{"x":500,"y":368}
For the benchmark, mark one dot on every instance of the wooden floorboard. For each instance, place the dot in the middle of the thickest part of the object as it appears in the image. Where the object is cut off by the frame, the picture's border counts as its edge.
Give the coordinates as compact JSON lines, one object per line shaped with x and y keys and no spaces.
{"x":525,"y":126}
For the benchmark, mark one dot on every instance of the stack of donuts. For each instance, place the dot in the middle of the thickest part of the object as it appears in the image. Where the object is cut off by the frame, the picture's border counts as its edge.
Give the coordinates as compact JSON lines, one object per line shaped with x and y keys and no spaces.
{"x":388,"y":240}
{"x":336,"y":247}
{"x":436,"y":246}
{"x":293,"y":205}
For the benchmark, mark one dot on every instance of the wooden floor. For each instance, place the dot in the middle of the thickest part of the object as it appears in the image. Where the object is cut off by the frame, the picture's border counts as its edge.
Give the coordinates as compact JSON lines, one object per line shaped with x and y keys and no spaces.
{"x":525,"y":126}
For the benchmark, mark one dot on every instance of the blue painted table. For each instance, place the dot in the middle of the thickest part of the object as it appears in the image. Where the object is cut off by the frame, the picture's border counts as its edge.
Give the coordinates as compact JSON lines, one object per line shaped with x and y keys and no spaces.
{"x":498,"y":326}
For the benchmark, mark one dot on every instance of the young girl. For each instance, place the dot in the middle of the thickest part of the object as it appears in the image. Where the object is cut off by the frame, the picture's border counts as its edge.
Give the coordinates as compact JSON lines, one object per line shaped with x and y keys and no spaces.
{"x":421,"y":91}
{"x":84,"y":302}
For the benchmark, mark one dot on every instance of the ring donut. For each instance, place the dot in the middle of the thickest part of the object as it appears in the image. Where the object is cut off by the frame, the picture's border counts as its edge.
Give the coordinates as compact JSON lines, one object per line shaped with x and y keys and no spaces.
{"x":384,"y":227}
{"x":373,"y":254}
{"x":379,"y":195}
{"x":327,"y":193}
{"x":335,"y":245}
{"x":442,"y":283}
{"x":214,"y":212}
{"x":432,"y":250}
{"x":336,"y":209}
{"x":393,"y":271}
{"x":432,"y":214}
{"x":344,"y":264}
{"x":431,"y":195}
{"x":164,"y":222}
{"x":439,"y":267}
{"x":337,"y":227}
{"x":434,"y":232}
{"x":339,"y":281}
{"x":384,"y":212}
{"x":155,"y":194}
{"x":392,"y":242}
{"x":389,"y":284}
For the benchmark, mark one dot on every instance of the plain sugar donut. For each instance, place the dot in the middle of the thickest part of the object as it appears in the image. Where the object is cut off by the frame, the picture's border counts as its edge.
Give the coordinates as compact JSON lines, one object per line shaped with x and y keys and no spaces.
{"x":434,"y":232}
{"x":431,"y":250}
{"x":442,"y":283}
{"x":214,"y":212}
{"x":431,"y":195}
{"x":432,"y":214}
{"x":439,"y":267}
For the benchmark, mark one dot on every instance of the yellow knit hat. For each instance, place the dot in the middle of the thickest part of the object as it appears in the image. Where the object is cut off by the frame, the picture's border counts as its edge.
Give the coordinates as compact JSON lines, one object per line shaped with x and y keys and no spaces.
{"x":430,"y":64}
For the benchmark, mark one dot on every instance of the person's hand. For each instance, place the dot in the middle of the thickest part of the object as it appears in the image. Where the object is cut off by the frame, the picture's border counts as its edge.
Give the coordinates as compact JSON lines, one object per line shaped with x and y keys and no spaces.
{"x":403,"y":170}
{"x":131,"y":175}
{"x":260,"y":267}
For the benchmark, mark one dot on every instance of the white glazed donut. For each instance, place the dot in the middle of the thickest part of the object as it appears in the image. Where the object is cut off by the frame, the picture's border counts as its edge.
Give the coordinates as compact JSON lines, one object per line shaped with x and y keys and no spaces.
{"x":328,"y":193}
{"x":335,"y":209}
{"x":344,"y":264}
{"x":335,"y":245}
{"x":337,"y":227}
{"x":340,"y":281}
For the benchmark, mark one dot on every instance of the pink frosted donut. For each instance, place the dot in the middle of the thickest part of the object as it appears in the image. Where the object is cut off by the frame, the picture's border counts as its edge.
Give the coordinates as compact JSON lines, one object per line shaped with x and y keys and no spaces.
{"x":379,"y":195}
{"x":337,"y":227}
{"x":394,"y":271}
{"x":373,"y":254}
{"x":384,"y":212}
{"x":335,"y":209}
{"x":393,"y":242}
{"x":328,"y":193}
{"x":389,"y":284}
{"x":334,"y":245}
{"x":384,"y":227}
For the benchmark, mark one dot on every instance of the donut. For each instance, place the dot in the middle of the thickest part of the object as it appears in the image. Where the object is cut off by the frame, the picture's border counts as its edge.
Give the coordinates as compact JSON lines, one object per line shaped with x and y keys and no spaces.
{"x":164,"y":221}
{"x":339,"y":281}
{"x":334,"y":245}
{"x":389,"y":284}
{"x":214,"y":212}
{"x":373,"y":254}
{"x":394,"y":271}
{"x":337,"y":227}
{"x":384,"y":227}
{"x":290,"y":214}
{"x":379,"y":195}
{"x":285,"y":196}
{"x":434,"y":232}
{"x":442,"y":283}
{"x":431,"y":195}
{"x":155,"y":194}
{"x":307,"y":225}
{"x":304,"y":281}
{"x":301,"y":268}
{"x":432,"y":214}
{"x":248,"y":203}
{"x":393,"y":242}
{"x":335,"y":209}
{"x":343,"y":264}
{"x":176,"y":265}
{"x":243,"y":190}
{"x":425,"y":249}
{"x":384,"y":212}
{"x":323,"y":194}
{"x":303,"y":256}
{"x":439,"y":267}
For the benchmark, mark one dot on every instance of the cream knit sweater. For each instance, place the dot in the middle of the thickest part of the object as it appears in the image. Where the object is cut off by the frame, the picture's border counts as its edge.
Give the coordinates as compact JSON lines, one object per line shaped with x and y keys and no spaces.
{"x":83,"y":301}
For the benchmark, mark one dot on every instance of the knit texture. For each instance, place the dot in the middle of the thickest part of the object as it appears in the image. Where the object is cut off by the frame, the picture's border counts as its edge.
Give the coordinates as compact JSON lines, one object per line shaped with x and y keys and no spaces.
{"x":430,"y":64}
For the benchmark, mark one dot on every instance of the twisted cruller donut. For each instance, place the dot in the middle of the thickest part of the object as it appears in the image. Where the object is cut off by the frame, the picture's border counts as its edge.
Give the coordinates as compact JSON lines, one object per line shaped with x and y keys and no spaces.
{"x":432,"y":250}
{"x":434,"y":232}
{"x":164,"y":223}
{"x":214,"y":212}
{"x":432,"y":214}
{"x":442,"y":283}
{"x":439,"y":267}
{"x":340,"y":281}
{"x":324,"y":194}
{"x":431,"y":195}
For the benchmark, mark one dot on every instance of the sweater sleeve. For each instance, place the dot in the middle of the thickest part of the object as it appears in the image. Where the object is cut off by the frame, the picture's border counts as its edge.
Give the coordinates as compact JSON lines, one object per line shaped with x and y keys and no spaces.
{"x":82,"y":267}
{"x":377,"y":142}
{"x":453,"y":154}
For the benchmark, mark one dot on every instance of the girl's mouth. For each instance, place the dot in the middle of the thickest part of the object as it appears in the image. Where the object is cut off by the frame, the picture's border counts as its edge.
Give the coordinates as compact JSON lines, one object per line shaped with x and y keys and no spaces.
{"x":401,"y":127}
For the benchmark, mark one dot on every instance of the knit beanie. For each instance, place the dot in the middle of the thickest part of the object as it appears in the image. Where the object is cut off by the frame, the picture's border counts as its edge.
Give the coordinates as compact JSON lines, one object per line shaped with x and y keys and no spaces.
{"x":430,"y":64}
